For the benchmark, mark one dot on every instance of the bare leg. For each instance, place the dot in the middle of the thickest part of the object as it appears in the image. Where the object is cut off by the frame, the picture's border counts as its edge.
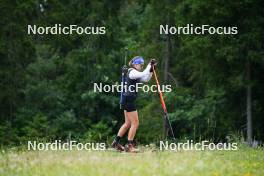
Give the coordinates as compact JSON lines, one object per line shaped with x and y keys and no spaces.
{"x":133,"y":118}
{"x":125,"y":126}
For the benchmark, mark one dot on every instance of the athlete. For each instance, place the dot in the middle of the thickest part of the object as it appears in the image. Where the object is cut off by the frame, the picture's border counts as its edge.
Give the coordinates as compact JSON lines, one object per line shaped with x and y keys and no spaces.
{"x":134,"y":75}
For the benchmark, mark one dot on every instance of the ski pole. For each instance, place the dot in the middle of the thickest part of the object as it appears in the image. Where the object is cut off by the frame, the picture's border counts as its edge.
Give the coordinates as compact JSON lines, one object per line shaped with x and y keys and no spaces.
{"x":163,"y":102}
{"x":126,"y":50}
{"x":124,"y":71}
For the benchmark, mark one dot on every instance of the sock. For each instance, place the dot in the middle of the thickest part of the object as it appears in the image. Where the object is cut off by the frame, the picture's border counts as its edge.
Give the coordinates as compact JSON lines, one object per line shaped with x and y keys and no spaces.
{"x":117,"y":139}
{"x":130,"y":141}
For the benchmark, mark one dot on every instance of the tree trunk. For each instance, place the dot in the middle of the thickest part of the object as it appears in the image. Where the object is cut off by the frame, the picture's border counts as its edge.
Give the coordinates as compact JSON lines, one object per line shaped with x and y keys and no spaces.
{"x":249,"y":104}
{"x":166,"y":128}
{"x":167,"y":57}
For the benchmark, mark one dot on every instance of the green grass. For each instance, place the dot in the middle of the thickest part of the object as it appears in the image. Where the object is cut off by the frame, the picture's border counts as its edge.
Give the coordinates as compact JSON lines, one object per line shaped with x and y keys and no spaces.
{"x":108,"y":163}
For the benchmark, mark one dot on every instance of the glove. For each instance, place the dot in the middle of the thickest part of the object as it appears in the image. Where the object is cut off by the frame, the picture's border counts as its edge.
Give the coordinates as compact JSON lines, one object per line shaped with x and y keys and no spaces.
{"x":124,"y":70}
{"x":153,"y":62}
{"x":151,"y":69}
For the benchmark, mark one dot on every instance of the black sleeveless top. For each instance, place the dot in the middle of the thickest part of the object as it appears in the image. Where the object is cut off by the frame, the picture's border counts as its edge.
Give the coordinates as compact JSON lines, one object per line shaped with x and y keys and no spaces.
{"x":132,"y":84}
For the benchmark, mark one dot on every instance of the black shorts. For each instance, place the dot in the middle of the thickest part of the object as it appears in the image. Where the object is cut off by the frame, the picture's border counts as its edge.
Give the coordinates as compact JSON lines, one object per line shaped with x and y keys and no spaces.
{"x":129,"y":103}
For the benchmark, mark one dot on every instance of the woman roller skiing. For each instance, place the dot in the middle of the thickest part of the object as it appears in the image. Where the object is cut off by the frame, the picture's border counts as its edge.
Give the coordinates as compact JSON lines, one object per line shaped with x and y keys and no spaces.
{"x":134,"y":75}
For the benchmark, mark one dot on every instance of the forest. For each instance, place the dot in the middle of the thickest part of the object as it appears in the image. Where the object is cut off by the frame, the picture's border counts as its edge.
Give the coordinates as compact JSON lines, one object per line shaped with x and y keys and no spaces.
{"x":47,"y":80}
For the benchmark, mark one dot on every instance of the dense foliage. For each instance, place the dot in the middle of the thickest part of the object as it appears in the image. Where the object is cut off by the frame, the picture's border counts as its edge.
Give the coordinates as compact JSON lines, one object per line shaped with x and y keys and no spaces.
{"x":47,"y":80}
